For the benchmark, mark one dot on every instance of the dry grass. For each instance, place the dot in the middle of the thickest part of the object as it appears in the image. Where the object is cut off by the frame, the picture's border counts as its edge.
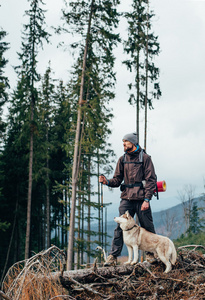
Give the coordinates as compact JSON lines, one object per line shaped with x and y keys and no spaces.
{"x":29,"y":280}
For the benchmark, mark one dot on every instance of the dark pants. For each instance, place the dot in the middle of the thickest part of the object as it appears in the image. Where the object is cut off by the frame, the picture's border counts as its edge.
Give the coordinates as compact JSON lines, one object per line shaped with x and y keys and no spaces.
{"x":144,"y":217}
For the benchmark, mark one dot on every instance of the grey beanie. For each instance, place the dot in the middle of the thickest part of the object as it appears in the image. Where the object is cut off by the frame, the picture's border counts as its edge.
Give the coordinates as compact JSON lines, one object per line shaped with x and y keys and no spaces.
{"x":131,"y":137}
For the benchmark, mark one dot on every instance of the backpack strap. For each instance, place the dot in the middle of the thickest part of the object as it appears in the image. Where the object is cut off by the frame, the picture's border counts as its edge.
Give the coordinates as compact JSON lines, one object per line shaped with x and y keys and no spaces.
{"x":141,"y":155}
{"x":123,"y":186}
{"x":138,"y":162}
{"x":134,"y":162}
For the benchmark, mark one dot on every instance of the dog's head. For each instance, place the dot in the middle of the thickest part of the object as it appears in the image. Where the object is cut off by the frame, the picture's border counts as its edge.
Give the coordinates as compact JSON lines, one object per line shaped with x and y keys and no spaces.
{"x":123,"y":218}
{"x":126,"y":221}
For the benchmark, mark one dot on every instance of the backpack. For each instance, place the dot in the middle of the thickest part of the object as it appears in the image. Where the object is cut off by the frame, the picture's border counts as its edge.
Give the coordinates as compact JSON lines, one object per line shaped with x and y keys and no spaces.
{"x":141,"y":184}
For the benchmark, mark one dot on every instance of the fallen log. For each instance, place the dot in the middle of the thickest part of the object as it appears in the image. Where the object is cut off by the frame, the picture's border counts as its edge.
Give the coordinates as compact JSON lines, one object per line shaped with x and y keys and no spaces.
{"x":77,"y":280}
{"x":43,"y":276}
{"x":90,"y":275}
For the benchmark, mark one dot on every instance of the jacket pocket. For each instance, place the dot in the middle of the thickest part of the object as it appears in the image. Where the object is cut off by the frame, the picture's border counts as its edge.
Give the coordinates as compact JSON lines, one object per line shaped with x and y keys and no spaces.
{"x":141,"y":194}
{"x":124,"y":194}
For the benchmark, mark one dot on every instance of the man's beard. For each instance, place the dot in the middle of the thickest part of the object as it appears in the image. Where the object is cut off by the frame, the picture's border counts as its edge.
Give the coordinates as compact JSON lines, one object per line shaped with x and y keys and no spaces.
{"x":128,"y":149}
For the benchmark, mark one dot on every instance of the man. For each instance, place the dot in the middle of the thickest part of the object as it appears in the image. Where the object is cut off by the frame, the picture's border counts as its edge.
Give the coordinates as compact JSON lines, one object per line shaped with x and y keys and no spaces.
{"x":135,"y":167}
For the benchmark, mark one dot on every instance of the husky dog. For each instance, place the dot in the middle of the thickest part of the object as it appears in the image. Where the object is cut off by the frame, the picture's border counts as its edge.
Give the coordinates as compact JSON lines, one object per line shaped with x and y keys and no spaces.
{"x":136,"y":237}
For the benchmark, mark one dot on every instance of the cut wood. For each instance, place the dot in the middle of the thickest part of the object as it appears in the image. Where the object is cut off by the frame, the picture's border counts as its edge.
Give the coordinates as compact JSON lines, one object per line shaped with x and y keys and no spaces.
{"x":4,"y":296}
{"x":89,"y":275}
{"x":44,"y":276}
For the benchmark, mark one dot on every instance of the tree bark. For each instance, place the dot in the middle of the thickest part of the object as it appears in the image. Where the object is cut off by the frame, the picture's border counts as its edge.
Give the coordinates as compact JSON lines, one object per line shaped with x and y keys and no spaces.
{"x":28,"y":225}
{"x":76,"y":157}
{"x":48,"y":239}
{"x":10,"y":243}
{"x":89,"y":211}
{"x":138,"y":97}
{"x":89,"y":275}
{"x":146,"y":80}
{"x":99,"y":206}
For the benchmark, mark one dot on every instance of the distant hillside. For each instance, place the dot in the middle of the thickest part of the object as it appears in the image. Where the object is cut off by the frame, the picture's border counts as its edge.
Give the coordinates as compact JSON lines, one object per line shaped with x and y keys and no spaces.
{"x":169,"y":222}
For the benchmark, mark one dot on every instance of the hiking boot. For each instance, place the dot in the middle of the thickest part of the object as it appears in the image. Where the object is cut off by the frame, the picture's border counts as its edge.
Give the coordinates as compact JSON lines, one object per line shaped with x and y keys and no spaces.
{"x":150,"y":258}
{"x":111,"y":261}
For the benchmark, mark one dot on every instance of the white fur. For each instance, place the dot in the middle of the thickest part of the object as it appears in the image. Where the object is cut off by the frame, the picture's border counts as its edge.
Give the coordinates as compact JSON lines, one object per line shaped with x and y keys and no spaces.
{"x":136,"y":237}
{"x":103,"y":251}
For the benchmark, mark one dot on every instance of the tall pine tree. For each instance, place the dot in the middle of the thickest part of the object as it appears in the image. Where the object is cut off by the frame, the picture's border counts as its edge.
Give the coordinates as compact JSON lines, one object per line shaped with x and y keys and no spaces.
{"x":4,"y":82}
{"x":94,"y":21}
{"x":142,"y":46}
{"x":33,"y":36}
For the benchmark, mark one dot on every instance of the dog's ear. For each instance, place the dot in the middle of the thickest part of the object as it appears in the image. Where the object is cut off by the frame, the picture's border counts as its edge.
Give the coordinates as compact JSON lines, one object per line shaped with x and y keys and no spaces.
{"x":127,"y":214}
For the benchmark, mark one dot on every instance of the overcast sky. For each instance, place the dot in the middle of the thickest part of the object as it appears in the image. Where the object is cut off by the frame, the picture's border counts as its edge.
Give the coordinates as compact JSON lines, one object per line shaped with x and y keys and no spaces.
{"x":176,"y":125}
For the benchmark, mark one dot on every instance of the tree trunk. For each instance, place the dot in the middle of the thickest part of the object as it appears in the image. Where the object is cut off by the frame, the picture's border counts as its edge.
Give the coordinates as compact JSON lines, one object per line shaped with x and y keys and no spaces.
{"x":76,"y":152}
{"x":89,"y":275}
{"x":28,"y":225}
{"x":138,"y":97}
{"x":99,"y":206}
{"x":146,"y":80}
{"x":79,"y":222}
{"x":89,"y":212}
{"x":82,"y":229}
{"x":48,"y":239}
{"x":10,"y":243}
{"x":102,"y":218}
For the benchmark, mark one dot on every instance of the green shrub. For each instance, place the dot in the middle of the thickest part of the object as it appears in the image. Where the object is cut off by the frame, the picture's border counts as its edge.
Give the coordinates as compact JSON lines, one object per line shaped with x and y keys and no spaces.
{"x":191,"y":239}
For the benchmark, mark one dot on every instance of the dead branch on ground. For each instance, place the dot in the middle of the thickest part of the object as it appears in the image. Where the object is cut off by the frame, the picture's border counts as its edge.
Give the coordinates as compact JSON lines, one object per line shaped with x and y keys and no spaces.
{"x":43,"y":277}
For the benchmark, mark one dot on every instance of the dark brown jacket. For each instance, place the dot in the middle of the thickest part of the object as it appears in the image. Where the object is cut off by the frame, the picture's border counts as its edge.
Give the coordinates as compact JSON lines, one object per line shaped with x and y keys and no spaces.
{"x":132,"y":173}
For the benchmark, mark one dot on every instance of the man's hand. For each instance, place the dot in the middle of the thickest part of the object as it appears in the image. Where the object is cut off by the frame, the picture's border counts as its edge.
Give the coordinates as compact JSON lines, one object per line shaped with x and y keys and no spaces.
{"x":145,"y":205}
{"x":102,"y":179}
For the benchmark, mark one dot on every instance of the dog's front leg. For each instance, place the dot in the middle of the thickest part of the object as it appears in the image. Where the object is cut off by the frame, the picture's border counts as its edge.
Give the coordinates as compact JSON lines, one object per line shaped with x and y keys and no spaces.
{"x":135,"y":260}
{"x":130,"y":252}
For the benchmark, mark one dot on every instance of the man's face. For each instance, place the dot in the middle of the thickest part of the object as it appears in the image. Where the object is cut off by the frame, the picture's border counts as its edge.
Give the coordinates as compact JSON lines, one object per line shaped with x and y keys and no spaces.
{"x":128,"y":146}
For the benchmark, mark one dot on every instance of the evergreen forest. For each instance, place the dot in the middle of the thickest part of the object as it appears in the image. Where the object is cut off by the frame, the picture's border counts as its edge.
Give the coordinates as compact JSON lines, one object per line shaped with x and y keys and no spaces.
{"x":54,"y":133}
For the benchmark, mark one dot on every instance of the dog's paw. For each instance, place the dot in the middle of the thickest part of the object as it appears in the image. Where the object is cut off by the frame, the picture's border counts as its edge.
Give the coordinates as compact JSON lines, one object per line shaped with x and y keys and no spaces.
{"x":133,"y":263}
{"x":127,"y":262}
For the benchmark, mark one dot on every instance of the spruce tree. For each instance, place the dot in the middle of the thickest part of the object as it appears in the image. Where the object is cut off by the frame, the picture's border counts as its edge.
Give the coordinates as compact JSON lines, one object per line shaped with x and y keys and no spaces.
{"x":45,"y":116}
{"x":33,"y":36}
{"x":142,"y":46}
{"x":195,"y":223}
{"x":94,"y":21}
{"x":4,"y":85}
{"x":60,"y":163}
{"x":14,"y":185}
{"x":4,"y":82}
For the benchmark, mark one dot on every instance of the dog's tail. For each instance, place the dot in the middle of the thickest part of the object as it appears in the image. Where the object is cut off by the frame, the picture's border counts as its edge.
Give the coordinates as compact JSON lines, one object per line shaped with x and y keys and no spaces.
{"x":173,"y":253}
{"x":103,"y":251}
